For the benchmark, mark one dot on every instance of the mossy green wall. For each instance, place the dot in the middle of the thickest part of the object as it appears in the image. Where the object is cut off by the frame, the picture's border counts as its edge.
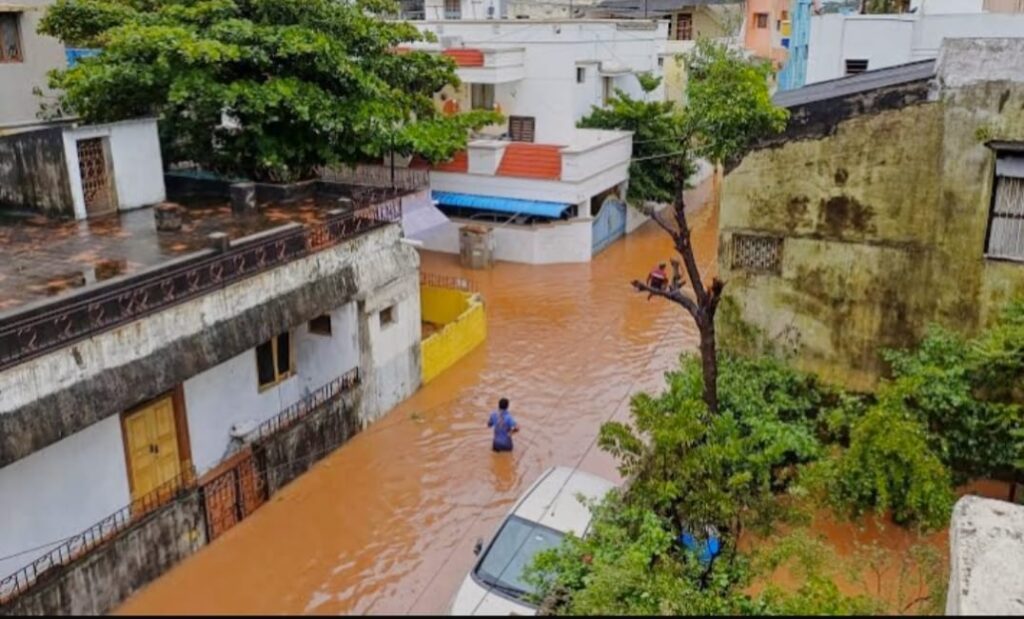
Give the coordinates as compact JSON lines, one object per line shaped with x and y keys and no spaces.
{"x":884,"y":224}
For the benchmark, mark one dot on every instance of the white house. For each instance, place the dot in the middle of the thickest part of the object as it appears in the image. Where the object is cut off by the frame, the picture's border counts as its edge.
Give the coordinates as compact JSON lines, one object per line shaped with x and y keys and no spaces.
{"x":846,"y":44}
{"x":121,"y":387}
{"x":549,"y":191}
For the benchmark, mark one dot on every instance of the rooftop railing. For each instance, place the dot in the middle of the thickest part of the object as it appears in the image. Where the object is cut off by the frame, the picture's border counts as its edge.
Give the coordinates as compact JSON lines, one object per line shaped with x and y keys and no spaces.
{"x":49,"y":326}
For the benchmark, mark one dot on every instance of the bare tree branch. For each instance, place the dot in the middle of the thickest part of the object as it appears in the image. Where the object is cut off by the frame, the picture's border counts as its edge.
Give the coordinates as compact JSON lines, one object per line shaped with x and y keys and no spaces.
{"x":664,"y":224}
{"x":682,"y":239}
{"x":715,"y":295}
{"x":676,"y":296}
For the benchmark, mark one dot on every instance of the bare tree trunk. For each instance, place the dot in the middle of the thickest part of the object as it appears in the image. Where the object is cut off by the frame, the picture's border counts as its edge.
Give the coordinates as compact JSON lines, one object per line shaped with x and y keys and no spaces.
{"x":703,"y":304}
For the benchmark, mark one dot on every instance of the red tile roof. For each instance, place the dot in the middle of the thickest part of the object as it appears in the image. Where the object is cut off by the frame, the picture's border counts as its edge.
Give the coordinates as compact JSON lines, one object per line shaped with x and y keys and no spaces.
{"x":466,"y":57}
{"x":531,"y":161}
{"x":458,"y":163}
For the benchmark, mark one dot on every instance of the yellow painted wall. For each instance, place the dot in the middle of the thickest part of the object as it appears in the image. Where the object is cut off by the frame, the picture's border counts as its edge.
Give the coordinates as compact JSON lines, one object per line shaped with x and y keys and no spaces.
{"x":465,"y":327}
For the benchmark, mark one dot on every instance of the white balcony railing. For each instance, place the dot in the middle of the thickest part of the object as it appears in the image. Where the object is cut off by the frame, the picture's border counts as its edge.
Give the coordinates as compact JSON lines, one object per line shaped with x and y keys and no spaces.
{"x":593,"y":151}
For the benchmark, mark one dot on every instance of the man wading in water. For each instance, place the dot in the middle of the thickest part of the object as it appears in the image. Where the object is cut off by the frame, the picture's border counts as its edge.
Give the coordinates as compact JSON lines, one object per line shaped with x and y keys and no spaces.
{"x":504,"y":427}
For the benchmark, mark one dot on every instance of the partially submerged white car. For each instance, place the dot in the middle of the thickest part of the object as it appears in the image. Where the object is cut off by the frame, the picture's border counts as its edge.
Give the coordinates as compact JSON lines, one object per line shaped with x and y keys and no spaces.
{"x":540,"y":519}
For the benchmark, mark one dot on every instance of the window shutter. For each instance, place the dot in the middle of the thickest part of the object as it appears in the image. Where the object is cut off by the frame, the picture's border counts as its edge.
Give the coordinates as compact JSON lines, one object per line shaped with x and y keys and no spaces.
{"x":521,"y":128}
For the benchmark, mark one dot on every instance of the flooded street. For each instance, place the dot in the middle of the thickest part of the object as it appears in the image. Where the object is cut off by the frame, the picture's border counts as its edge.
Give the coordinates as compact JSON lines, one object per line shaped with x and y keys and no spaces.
{"x":387,"y":523}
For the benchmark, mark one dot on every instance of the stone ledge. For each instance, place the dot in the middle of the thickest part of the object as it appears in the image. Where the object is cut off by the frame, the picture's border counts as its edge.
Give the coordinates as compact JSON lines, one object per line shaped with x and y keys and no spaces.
{"x":986,"y":545}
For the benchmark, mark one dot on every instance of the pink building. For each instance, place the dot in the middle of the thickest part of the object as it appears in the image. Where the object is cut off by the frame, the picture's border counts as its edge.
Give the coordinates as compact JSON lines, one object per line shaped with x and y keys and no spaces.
{"x":766,"y":25}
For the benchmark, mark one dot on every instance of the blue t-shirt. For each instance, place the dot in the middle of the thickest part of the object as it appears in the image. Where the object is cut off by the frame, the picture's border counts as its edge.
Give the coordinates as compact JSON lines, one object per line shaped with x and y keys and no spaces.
{"x":503,"y":423}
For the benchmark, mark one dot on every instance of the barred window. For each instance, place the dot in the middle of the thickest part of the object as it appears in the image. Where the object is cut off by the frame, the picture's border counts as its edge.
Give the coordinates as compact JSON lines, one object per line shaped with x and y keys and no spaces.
{"x":1006,"y":223}
{"x":757,"y":254}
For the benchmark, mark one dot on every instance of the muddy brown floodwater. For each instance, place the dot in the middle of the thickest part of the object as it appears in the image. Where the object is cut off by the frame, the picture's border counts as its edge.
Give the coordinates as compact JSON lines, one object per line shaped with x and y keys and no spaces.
{"x":387,"y":523}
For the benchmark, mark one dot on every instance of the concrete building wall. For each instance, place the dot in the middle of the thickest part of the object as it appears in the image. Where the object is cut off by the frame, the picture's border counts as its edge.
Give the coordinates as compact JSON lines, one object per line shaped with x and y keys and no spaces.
{"x":136,"y":162}
{"x":765,"y":42}
{"x":391,"y":349}
{"x":986,"y":548}
{"x":97,"y":582}
{"x":889,"y":40}
{"x":40,"y":53}
{"x":61,"y":490}
{"x":553,"y":50}
{"x":882,"y":40}
{"x":462,"y":326}
{"x":212,"y":410}
{"x":34,"y":173}
{"x":553,"y":243}
{"x":60,"y":393}
{"x":882,"y":219}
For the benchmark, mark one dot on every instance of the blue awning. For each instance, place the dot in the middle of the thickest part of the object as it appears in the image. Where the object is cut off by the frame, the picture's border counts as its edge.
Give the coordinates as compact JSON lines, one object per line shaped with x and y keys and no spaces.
{"x":512,"y":206}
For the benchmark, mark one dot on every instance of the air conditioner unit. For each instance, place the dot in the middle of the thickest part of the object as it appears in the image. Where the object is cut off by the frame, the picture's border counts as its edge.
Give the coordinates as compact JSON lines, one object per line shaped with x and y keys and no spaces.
{"x":450,"y":42}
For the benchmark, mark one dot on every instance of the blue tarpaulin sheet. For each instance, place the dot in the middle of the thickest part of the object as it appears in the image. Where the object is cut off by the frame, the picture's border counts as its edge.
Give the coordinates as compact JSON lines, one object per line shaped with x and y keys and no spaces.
{"x":74,"y":53}
{"x":512,"y":206}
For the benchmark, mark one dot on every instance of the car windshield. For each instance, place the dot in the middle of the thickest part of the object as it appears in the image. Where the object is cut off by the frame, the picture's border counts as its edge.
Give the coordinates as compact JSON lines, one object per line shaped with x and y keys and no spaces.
{"x":517,"y":544}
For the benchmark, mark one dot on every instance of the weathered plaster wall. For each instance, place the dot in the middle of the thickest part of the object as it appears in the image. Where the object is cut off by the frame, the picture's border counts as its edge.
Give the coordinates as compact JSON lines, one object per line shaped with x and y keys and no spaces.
{"x":61,"y":490}
{"x":55,"y":395}
{"x":883,"y":215}
{"x":102,"y":579}
{"x":292,"y":452}
{"x":212,"y":409}
{"x":855,"y":211}
{"x":33,"y":173}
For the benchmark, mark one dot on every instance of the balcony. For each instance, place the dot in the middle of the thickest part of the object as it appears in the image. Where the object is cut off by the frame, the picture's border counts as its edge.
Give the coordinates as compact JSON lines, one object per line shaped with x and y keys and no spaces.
{"x":499,"y":66}
{"x":593,"y":161}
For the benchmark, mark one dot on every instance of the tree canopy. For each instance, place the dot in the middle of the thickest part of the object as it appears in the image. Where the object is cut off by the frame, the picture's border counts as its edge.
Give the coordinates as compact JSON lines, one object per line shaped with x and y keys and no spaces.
{"x":266,"y":89}
{"x":781,"y":448}
{"x":728,"y":108}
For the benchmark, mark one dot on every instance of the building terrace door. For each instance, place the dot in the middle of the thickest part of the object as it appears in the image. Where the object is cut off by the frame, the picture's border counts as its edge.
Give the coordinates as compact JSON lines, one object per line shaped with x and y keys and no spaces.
{"x":151,"y":437}
{"x":95,"y":173}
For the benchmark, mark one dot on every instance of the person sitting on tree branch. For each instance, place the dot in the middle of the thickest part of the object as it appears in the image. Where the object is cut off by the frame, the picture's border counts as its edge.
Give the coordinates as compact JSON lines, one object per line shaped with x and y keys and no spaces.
{"x":657,"y":279}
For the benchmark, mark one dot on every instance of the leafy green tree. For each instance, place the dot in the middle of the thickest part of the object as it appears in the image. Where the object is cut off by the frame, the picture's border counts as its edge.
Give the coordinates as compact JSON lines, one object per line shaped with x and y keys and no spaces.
{"x":889,"y":466}
{"x":657,"y":128}
{"x":267,"y":89}
{"x":969,"y":393}
{"x":699,"y":469}
{"x":630,"y":564}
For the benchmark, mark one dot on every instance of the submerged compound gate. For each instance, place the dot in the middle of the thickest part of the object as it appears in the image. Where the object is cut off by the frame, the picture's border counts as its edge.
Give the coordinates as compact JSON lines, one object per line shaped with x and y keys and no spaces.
{"x":232,"y":491}
{"x":610,"y":224}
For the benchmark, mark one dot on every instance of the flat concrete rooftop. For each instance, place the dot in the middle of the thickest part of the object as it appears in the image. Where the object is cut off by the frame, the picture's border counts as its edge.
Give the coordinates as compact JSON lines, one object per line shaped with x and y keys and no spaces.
{"x":45,"y":259}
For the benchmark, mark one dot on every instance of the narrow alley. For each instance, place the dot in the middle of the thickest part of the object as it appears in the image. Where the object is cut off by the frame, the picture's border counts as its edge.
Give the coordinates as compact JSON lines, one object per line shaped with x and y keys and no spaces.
{"x":387,"y":523}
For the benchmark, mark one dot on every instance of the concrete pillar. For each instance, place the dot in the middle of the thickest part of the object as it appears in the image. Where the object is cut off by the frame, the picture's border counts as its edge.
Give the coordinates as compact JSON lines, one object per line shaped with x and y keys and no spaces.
{"x":243,"y":197}
{"x":168,"y":217}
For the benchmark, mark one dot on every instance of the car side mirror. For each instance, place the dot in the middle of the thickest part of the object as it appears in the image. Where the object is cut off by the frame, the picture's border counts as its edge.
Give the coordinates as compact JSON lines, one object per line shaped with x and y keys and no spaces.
{"x":478,"y":546}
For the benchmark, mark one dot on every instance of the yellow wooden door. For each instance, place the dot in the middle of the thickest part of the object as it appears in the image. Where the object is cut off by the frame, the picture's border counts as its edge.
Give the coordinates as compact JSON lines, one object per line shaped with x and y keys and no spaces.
{"x":152,"y":447}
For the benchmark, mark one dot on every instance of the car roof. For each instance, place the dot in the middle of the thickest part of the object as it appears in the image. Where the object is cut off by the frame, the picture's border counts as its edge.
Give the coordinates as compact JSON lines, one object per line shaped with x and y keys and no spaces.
{"x":552,"y":500}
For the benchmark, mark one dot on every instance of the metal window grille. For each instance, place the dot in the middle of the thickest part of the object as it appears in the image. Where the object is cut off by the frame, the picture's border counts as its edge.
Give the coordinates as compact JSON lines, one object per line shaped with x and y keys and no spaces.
{"x":684,"y":27}
{"x":757,"y":254}
{"x":1006,"y":233}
